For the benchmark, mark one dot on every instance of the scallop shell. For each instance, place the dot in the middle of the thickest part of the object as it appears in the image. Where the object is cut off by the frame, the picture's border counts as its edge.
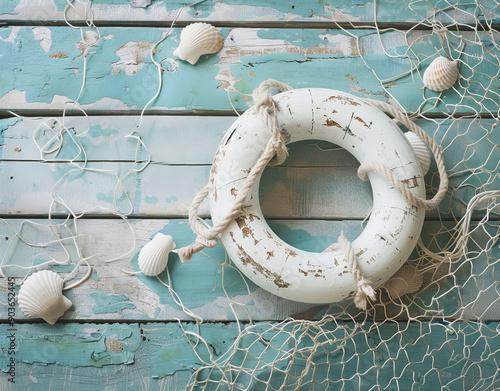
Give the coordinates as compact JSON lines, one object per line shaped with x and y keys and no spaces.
{"x":41,"y":296}
{"x":421,"y":150}
{"x":154,"y":255}
{"x":198,"y":39}
{"x":406,"y":280}
{"x":441,"y":74}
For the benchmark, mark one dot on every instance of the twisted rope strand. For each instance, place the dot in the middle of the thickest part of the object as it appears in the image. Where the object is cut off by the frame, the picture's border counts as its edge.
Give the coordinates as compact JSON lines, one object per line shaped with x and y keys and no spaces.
{"x":365,"y":289}
{"x":390,"y":177}
{"x":267,"y":110}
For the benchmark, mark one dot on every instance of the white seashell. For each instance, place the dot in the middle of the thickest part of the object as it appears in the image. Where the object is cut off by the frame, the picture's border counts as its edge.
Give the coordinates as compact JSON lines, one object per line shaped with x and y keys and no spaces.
{"x":421,"y":150}
{"x":406,"y":280}
{"x":154,"y":255}
{"x":441,"y":74}
{"x":41,"y":296}
{"x":198,"y":39}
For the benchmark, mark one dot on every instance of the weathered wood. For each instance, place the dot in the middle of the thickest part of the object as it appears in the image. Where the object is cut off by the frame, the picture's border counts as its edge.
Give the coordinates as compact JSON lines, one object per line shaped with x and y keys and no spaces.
{"x":46,"y":69}
{"x":200,"y":283}
{"x":167,"y":191}
{"x":159,"y":357}
{"x":164,"y":190}
{"x":169,"y":140}
{"x":164,"y":11}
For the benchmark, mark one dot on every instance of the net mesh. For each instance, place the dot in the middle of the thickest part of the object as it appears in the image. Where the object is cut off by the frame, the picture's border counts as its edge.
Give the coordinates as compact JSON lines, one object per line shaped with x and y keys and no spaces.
{"x":440,"y":335}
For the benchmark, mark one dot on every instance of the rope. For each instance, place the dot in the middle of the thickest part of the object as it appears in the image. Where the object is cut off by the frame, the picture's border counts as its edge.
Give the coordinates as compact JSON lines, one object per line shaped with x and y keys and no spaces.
{"x":267,"y":110}
{"x":275,"y":153}
{"x":365,"y":290}
{"x":390,"y":177}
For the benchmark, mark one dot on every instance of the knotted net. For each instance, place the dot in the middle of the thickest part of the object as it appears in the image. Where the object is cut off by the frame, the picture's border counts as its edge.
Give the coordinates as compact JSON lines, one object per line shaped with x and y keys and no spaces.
{"x":439,"y":331}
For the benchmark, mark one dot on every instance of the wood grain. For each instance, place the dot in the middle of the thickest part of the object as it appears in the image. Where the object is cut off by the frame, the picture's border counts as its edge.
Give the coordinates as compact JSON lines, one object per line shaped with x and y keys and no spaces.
{"x":121,"y":77}
{"x":111,"y":294}
{"x":159,"y":357}
{"x":270,"y":11}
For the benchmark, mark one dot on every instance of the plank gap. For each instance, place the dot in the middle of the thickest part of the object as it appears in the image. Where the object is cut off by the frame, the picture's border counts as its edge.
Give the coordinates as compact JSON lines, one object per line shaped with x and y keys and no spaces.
{"x":40,"y":113}
{"x":324,"y":24}
{"x":62,"y":216}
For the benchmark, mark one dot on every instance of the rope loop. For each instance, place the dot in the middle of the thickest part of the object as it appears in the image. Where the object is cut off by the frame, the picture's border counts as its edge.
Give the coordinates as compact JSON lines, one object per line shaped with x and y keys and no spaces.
{"x":402,"y":117}
{"x":267,"y":110}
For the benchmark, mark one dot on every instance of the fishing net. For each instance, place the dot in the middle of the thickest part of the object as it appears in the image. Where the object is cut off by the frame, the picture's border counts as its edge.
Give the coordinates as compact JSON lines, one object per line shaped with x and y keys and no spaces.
{"x":439,"y":335}
{"x":434,"y":327}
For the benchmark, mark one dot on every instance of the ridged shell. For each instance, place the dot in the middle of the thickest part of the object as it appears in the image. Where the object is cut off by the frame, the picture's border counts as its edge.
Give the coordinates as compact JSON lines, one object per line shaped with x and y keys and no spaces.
{"x":406,"y":280}
{"x":41,"y":296}
{"x":198,"y":39}
{"x":421,"y":150}
{"x":441,"y":74}
{"x":154,"y":255}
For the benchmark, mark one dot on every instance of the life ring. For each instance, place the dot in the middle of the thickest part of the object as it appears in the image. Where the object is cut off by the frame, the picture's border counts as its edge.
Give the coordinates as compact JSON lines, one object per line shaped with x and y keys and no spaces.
{"x":368,"y":134}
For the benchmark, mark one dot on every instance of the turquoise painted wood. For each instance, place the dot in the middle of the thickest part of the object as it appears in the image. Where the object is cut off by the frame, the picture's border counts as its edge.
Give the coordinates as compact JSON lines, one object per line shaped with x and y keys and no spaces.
{"x":111,"y":294}
{"x":159,"y":357}
{"x":257,"y":11}
{"x":28,"y":184}
{"x":41,"y":68}
{"x":121,"y":77}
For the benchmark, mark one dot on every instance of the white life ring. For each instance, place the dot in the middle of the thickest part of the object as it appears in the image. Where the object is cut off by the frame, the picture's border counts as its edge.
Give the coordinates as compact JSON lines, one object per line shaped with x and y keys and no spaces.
{"x":367,"y":133}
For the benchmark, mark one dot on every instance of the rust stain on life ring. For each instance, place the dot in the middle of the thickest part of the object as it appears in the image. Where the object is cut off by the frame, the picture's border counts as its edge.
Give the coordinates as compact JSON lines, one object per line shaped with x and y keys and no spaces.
{"x":343,"y":100}
{"x":411,"y":182}
{"x":331,"y":122}
{"x":248,"y":260}
{"x":363,"y":122}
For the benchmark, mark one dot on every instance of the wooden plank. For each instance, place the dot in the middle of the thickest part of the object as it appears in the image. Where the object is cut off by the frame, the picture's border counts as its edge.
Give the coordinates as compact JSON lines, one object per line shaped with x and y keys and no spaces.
{"x":111,"y":294}
{"x":467,"y":144}
{"x":298,"y":57}
{"x":167,"y":191}
{"x":159,"y":357}
{"x":163,"y":190}
{"x":166,"y":137}
{"x":164,"y":11}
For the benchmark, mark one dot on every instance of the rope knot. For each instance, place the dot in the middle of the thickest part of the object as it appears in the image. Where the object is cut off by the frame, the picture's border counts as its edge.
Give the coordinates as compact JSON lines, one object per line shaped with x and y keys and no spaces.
{"x":206,"y":242}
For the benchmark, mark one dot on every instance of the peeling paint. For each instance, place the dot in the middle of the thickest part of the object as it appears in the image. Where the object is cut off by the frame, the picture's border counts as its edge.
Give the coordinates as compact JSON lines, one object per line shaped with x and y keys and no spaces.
{"x":132,"y":56}
{"x":74,"y":345}
{"x":44,"y":35}
{"x":110,"y":303}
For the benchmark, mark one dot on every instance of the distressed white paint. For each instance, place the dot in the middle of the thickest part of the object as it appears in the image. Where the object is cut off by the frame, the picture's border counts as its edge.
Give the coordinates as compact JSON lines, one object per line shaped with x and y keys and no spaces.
{"x":12,"y":35}
{"x":44,"y":35}
{"x":394,"y":225}
{"x":132,"y":56}
{"x":246,"y":42}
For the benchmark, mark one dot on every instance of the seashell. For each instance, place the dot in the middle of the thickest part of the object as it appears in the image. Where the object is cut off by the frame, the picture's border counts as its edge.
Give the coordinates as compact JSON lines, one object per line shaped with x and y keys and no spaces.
{"x":406,"y":280}
{"x":154,"y":255}
{"x":198,"y":39}
{"x":441,"y":74}
{"x":41,"y":296}
{"x":421,"y":150}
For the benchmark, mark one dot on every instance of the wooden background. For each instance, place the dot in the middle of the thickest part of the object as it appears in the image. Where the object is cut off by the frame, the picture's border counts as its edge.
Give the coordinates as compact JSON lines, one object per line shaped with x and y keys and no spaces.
{"x":122,"y":330}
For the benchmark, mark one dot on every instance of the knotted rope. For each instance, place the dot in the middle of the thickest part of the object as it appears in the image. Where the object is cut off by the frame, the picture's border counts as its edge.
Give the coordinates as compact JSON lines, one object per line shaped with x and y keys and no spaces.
{"x":275,"y":153}
{"x":392,"y":178}
{"x":365,"y":290}
{"x":267,"y":110}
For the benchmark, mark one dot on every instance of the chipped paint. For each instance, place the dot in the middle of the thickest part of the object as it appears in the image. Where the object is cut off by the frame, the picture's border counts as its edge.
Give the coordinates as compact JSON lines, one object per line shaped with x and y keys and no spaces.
{"x":110,"y":303}
{"x":44,"y":35}
{"x":74,"y":345}
{"x":246,"y":260}
{"x":132,"y":56}
{"x":58,"y":55}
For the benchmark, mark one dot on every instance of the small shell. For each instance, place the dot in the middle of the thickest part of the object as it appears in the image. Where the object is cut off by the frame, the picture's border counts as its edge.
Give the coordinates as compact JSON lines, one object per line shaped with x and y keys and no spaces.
{"x":421,"y":150}
{"x":41,"y":296}
{"x":198,"y":39}
{"x":154,"y":255}
{"x":441,"y":74}
{"x":406,"y":280}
